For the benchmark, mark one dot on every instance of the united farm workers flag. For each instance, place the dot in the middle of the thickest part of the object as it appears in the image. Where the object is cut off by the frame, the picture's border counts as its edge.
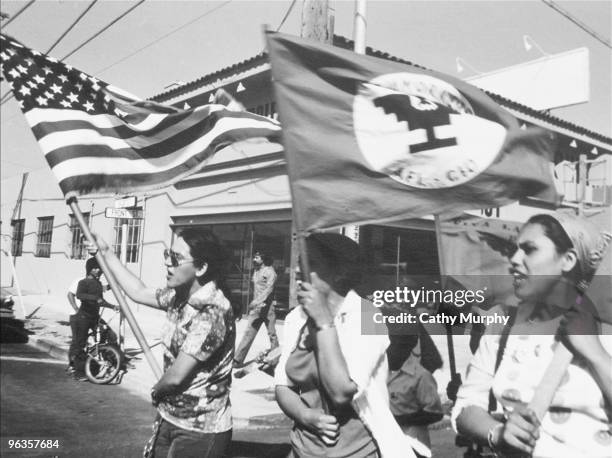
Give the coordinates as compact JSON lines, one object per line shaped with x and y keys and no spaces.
{"x":96,"y":138}
{"x":372,"y":140}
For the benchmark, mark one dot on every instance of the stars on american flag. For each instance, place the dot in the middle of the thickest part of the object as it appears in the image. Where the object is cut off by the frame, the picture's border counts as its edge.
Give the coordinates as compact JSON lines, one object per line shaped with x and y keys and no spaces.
{"x":40,"y":81}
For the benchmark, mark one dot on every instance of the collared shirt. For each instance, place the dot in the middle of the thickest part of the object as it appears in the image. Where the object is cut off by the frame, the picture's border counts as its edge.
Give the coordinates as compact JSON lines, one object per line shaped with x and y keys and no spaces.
{"x":263,"y":285}
{"x":366,"y":360}
{"x":413,"y":389}
{"x":203,"y":327}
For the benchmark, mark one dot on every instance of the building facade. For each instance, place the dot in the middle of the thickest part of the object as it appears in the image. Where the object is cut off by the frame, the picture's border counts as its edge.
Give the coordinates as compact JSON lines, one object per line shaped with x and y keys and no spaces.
{"x":243,"y":196}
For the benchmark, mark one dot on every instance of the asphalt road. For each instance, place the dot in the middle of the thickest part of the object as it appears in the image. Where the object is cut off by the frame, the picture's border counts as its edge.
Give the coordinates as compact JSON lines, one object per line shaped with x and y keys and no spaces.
{"x":39,"y":401}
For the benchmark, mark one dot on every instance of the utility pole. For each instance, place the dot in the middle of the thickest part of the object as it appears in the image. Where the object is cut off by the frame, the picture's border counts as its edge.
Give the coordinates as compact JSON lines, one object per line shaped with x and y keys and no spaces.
{"x":317,"y":23}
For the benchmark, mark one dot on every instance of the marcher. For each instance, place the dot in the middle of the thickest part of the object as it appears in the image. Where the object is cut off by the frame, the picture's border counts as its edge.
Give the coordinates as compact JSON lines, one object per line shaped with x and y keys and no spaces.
{"x":192,"y":397}
{"x":261,"y":309}
{"x":413,"y":391}
{"x":89,"y":291}
{"x":331,"y":379}
{"x":555,"y":253}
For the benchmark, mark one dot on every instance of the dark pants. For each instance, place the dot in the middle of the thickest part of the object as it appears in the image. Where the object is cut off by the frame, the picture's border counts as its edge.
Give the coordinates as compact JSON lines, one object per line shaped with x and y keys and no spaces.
{"x":256,"y":317}
{"x":80,"y":325}
{"x":175,"y":442}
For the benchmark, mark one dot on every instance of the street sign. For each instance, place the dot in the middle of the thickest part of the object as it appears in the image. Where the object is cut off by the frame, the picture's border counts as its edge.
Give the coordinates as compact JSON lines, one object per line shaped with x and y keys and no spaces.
{"x":123,"y":213}
{"x":126,"y":202}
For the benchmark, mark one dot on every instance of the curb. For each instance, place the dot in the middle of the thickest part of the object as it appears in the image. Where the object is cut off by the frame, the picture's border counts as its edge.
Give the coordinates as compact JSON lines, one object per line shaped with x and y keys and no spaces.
{"x":266,"y":422}
{"x":49,"y":347}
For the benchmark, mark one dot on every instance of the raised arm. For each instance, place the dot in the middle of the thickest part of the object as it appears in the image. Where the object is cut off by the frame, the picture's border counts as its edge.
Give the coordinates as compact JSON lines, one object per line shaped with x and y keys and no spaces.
{"x":130,"y":283}
{"x":333,"y":370}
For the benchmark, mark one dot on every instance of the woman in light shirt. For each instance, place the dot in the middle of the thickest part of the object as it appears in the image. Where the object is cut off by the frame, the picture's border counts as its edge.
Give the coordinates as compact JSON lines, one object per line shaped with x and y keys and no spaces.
{"x":555,"y":254}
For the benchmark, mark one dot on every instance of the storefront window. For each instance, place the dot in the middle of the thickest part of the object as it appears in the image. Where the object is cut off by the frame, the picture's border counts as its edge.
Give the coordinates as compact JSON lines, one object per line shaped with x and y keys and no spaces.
{"x":242,"y":240}
{"x":396,"y":256}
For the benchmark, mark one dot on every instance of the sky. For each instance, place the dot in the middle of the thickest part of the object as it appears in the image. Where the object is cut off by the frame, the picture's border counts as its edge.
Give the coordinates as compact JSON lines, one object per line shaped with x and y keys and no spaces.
{"x":161,"y":42}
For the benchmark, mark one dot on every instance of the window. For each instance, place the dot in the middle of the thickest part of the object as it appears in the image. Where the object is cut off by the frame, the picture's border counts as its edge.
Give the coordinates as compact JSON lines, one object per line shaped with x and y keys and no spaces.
{"x":241,"y":240}
{"x":77,"y":247}
{"x":18,"y":230}
{"x":134,"y":228}
{"x":43,"y":240}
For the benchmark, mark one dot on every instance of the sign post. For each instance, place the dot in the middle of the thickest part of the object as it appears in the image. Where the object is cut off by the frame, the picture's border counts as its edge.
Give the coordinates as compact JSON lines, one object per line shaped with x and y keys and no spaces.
{"x":124,"y":209}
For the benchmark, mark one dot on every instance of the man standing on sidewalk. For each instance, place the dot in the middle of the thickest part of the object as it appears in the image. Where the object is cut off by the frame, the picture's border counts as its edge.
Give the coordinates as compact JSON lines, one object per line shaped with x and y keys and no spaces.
{"x":261,"y":309}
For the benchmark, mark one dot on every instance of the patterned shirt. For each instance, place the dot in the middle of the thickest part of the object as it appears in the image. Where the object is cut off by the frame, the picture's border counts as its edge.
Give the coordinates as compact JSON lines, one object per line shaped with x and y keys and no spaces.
{"x":202,"y":327}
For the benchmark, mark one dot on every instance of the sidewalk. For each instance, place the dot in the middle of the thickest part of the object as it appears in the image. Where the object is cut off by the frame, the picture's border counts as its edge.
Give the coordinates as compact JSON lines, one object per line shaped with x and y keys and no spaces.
{"x":253,"y":404}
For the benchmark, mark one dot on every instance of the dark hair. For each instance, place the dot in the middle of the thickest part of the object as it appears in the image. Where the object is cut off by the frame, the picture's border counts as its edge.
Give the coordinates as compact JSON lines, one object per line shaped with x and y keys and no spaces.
{"x":90,"y":264}
{"x":205,"y":248}
{"x":554,"y":231}
{"x":557,"y":235}
{"x":336,"y":260}
{"x":265,"y":258}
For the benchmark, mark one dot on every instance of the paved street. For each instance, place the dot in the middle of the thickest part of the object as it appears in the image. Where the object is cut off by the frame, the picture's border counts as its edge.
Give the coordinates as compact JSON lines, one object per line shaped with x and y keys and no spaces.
{"x":38,"y":401}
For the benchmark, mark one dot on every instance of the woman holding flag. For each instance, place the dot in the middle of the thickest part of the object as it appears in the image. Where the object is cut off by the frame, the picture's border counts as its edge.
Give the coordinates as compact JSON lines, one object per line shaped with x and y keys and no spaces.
{"x":192,"y":396}
{"x":331,"y":379}
{"x":556,"y":257}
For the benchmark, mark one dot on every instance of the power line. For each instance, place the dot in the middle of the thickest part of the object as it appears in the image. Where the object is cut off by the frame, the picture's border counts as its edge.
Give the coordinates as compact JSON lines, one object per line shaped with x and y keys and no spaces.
{"x":286,"y":15}
{"x":8,"y":94}
{"x":71,"y":26}
{"x":99,"y":32}
{"x":103,"y":29}
{"x":576,"y":21}
{"x":164,"y":36}
{"x":16,"y":15}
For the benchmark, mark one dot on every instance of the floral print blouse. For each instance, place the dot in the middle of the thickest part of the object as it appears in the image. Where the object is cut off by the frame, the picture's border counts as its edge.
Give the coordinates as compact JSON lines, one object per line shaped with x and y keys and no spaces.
{"x":202,"y":327}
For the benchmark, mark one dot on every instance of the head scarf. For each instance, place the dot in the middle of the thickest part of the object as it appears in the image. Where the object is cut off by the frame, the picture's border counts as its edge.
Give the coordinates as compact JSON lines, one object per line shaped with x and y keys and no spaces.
{"x":589,"y":243}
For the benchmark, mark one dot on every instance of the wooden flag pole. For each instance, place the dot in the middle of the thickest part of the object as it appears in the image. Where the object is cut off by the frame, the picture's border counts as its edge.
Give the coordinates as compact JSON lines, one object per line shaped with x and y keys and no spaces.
{"x":112,"y":281}
{"x":449,"y":329}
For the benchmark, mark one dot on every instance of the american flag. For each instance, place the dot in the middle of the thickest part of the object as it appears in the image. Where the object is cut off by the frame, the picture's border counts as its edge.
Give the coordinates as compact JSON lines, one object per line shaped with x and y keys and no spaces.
{"x":97,"y":138}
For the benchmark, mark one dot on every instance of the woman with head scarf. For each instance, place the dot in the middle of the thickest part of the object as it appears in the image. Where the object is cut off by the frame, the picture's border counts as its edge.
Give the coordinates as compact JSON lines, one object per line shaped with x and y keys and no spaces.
{"x":555,"y":259}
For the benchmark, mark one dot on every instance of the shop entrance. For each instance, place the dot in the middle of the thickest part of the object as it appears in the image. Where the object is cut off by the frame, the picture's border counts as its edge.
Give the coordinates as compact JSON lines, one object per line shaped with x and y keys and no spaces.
{"x":242,"y":240}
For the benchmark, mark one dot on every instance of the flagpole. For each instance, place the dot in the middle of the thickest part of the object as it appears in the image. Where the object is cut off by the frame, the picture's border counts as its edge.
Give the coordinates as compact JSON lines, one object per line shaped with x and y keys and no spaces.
{"x":449,"y":329}
{"x":112,"y":281}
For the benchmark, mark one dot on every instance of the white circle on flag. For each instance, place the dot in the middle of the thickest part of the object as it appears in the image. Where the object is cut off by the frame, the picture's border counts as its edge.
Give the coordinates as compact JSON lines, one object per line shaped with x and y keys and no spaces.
{"x":422,"y":132}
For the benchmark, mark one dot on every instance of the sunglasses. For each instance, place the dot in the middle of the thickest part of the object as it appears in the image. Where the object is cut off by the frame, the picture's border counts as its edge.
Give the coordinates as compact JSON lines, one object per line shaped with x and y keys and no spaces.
{"x":176,"y":259}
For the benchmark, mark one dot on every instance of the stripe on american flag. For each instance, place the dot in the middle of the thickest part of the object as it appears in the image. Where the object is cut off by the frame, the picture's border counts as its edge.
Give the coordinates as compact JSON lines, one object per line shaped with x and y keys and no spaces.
{"x":97,"y":138}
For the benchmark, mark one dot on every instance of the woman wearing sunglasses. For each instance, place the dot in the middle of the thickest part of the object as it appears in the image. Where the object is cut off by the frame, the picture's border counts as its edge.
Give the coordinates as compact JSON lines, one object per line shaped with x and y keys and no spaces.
{"x":192,"y":397}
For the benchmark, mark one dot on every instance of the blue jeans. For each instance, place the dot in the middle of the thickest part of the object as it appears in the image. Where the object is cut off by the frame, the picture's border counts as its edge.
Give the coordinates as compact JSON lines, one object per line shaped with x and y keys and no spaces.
{"x":175,"y":442}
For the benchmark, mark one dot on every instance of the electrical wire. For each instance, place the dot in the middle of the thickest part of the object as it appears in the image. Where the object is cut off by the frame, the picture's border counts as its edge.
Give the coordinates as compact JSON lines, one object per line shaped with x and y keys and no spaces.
{"x":286,"y":15}
{"x":97,"y":72}
{"x":580,"y":24}
{"x":99,"y":32}
{"x":16,"y":15}
{"x":103,"y":29}
{"x":76,"y":21}
{"x":71,"y":26}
